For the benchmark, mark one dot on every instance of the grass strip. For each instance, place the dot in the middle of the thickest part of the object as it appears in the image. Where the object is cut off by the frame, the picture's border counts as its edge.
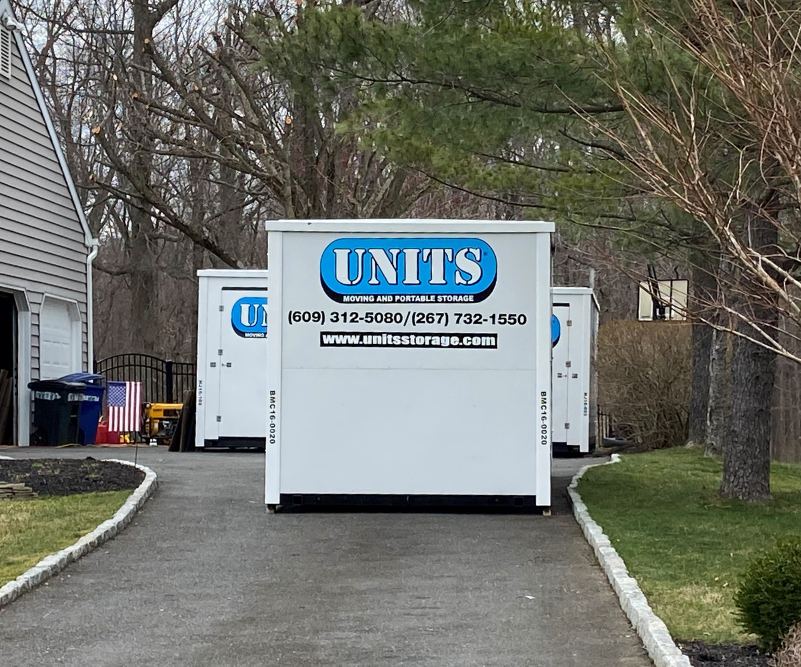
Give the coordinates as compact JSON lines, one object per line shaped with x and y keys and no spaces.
{"x":686,"y":547}
{"x":33,"y":529}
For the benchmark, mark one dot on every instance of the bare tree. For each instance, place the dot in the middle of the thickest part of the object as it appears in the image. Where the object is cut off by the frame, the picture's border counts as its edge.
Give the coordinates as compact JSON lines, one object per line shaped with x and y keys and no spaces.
{"x":184,"y":134}
{"x":276,"y":116}
{"x":722,"y":146}
{"x":723,"y":150}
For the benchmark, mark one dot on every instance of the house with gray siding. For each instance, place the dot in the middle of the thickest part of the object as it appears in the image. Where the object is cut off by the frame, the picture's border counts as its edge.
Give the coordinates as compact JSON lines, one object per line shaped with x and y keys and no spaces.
{"x":46,"y":248}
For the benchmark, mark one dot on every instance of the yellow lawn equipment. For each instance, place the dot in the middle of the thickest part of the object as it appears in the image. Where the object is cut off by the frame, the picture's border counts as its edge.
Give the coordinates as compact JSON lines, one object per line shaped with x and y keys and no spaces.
{"x":160,"y":421}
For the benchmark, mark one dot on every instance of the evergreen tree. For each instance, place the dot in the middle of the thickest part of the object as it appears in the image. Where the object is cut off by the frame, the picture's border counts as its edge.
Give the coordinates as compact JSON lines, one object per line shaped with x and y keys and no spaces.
{"x":652,"y":119}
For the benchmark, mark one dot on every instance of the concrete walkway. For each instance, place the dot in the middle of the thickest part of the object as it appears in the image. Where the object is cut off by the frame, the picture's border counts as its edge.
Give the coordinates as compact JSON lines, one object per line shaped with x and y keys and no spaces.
{"x":205,"y":577}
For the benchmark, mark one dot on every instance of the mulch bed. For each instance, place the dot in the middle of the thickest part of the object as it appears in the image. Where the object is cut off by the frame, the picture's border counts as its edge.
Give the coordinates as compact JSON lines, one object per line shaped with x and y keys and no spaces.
{"x":724,"y":655}
{"x":65,"y":477}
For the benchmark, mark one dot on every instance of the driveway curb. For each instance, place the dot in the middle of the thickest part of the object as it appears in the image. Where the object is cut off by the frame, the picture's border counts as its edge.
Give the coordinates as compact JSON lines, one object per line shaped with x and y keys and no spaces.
{"x":51,"y":565}
{"x":651,"y":629}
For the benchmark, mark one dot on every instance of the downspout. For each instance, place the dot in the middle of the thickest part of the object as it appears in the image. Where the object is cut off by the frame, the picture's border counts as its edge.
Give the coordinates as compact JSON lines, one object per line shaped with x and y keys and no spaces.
{"x":94,"y":244}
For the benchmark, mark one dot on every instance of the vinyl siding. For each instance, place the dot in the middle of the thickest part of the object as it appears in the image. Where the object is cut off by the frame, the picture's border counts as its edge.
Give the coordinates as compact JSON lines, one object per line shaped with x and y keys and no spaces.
{"x":41,"y":239}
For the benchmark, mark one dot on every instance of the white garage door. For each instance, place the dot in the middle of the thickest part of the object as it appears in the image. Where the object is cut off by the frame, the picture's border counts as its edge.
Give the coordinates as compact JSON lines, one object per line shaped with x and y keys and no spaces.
{"x":59,"y":342}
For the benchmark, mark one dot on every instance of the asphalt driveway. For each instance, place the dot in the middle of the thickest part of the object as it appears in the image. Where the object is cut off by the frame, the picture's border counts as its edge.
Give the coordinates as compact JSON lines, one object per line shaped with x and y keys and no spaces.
{"x":203,"y":576}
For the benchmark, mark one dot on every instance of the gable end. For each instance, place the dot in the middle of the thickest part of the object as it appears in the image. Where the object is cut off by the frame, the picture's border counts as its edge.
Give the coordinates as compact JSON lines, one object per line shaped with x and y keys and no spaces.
{"x":15,"y":37}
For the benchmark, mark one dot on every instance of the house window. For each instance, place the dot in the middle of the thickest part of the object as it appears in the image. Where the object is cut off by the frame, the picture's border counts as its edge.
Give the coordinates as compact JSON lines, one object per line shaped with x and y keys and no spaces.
{"x":5,"y":53}
{"x":663,"y":300}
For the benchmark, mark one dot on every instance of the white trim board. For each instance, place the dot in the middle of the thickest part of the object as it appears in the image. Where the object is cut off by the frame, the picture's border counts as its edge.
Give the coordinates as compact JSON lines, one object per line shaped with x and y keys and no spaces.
{"x":409,"y":226}
{"x":23,"y":395}
{"x":576,"y":290}
{"x":233,"y":273}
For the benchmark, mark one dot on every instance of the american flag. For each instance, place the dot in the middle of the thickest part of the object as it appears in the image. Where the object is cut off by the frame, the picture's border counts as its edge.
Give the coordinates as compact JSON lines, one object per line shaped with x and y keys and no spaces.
{"x":124,"y":406}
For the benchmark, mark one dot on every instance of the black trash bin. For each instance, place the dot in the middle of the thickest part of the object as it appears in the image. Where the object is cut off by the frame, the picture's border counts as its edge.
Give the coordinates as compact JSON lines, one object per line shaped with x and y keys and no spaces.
{"x":56,"y":411}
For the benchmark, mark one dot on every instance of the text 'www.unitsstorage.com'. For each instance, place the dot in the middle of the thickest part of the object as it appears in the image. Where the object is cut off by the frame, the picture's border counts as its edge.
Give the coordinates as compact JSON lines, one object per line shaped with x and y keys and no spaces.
{"x":471,"y":341}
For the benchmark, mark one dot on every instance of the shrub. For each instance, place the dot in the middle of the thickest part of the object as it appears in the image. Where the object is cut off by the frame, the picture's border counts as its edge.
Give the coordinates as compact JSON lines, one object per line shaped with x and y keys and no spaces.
{"x":789,"y":655}
{"x":769,"y":597}
{"x":644,"y":380}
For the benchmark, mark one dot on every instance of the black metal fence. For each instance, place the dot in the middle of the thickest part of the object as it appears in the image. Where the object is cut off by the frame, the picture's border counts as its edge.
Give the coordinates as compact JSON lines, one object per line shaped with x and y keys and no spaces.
{"x":606,"y":425}
{"x":163,"y":380}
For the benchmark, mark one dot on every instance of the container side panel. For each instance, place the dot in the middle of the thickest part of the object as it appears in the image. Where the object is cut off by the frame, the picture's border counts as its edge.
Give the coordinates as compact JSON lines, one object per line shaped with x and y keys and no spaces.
{"x":593,"y":421}
{"x":214,"y":317}
{"x":428,"y":432}
{"x":274,"y":405}
{"x":201,"y":382}
{"x":579,"y":373}
{"x":541,"y":277}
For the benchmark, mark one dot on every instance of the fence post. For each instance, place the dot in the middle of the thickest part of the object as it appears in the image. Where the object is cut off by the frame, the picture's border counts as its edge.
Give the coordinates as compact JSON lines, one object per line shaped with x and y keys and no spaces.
{"x":168,"y":380}
{"x":599,"y":427}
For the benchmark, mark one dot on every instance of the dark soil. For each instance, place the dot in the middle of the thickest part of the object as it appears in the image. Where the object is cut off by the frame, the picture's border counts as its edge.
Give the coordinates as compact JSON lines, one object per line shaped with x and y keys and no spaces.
{"x":64,"y":477}
{"x":724,"y":655}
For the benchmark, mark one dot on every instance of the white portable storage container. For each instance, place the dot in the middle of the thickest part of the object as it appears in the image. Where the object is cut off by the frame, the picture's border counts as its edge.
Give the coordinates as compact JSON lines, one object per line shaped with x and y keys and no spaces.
{"x":409,"y":363}
{"x":231,"y":358}
{"x":575,"y":380}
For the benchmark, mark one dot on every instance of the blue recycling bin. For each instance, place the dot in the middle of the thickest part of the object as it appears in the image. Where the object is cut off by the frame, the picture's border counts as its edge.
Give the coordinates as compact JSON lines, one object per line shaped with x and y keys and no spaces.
{"x":91,"y":405}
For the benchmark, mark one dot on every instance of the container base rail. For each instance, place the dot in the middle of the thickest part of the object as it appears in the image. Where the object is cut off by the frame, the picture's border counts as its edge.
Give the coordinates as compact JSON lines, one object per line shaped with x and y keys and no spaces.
{"x":416,"y":502}
{"x":235,"y":443}
{"x":563,"y":449}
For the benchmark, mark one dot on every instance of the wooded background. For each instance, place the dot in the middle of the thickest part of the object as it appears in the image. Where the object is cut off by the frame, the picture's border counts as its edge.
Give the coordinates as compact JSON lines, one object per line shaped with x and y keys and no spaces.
{"x":652,"y":133}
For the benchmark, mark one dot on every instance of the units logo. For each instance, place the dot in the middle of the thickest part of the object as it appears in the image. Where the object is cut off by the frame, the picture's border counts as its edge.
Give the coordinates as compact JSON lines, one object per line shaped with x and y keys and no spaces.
{"x":249,"y":317}
{"x":408,"y":270}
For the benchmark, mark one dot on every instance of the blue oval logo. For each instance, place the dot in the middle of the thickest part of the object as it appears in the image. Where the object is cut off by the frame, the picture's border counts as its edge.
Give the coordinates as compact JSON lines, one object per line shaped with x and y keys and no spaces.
{"x":556,"y":330}
{"x":249,"y":317}
{"x":404,"y":270}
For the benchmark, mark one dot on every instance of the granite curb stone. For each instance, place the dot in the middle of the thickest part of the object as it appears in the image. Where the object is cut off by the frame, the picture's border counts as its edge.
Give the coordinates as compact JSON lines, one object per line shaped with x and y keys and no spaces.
{"x":652,"y":630}
{"x":51,"y":565}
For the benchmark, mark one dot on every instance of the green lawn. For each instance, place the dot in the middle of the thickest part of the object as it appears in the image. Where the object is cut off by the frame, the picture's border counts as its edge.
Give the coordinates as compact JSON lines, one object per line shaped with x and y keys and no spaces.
{"x":32,"y":529}
{"x":686,"y":547}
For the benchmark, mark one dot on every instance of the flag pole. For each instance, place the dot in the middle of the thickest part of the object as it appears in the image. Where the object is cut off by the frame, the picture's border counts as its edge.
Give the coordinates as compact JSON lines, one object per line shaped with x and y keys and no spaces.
{"x":136,"y":435}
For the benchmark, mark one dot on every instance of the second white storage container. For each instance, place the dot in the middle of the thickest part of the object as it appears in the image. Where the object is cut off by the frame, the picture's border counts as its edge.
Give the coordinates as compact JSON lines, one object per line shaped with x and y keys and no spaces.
{"x":575,"y":380}
{"x":231,"y":358}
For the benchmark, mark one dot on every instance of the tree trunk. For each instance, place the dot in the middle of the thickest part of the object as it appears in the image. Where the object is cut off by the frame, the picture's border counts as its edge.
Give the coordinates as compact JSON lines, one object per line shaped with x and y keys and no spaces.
{"x":703,"y":290}
{"x":231,"y":203}
{"x":699,"y":397}
{"x":144,"y":283}
{"x":144,"y":322}
{"x":746,"y":461}
{"x":719,"y":408}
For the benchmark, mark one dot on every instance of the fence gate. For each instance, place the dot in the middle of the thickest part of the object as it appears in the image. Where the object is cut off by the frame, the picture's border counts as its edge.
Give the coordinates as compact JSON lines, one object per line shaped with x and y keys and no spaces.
{"x":163,"y":380}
